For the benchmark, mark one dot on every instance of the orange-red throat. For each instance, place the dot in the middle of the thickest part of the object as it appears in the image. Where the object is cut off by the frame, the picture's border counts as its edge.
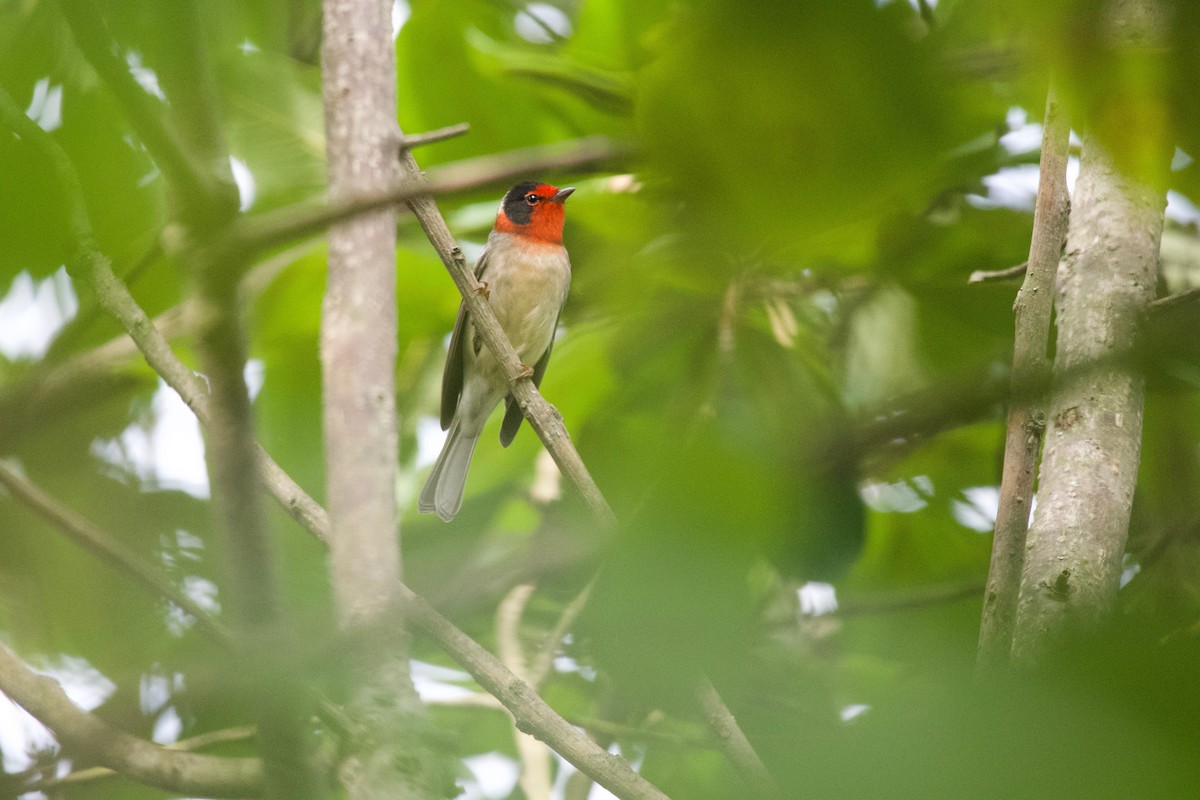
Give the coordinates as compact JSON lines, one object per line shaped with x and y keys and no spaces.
{"x":533,"y":210}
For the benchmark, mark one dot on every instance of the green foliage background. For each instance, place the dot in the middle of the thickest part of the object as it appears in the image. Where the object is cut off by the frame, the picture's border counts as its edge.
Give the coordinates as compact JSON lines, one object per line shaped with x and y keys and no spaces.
{"x":787,"y":257}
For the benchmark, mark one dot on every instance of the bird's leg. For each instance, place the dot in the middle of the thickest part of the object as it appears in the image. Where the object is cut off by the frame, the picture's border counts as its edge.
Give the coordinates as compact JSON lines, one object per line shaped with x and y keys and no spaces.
{"x":526,"y":372}
{"x":484,"y":290}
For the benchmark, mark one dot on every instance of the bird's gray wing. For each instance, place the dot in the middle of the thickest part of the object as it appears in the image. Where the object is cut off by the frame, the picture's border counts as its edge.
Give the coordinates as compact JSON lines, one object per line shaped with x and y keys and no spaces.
{"x":452,"y":375}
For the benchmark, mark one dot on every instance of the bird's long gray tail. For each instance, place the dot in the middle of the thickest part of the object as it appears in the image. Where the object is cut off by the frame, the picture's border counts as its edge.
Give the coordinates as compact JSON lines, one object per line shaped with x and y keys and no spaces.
{"x":443,"y":490}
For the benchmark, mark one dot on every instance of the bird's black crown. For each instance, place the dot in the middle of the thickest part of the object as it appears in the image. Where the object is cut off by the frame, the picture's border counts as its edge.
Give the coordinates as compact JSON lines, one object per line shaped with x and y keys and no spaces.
{"x":515,"y":207}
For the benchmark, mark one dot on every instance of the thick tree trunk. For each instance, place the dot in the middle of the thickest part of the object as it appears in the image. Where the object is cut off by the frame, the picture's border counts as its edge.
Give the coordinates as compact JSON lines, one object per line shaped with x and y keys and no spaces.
{"x":358,"y":354}
{"x":1089,"y":468}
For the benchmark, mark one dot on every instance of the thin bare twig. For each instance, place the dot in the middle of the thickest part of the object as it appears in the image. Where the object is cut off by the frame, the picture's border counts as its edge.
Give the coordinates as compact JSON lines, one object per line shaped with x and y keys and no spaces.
{"x":1026,"y":420}
{"x":992,"y":276}
{"x":1175,"y":301}
{"x":531,"y":712}
{"x":273,"y":228}
{"x":544,"y":658}
{"x":411,"y":140}
{"x":508,"y":629}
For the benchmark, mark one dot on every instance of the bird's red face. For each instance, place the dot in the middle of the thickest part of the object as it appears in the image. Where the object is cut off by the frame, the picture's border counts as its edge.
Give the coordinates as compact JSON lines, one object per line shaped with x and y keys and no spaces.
{"x":535,"y":211}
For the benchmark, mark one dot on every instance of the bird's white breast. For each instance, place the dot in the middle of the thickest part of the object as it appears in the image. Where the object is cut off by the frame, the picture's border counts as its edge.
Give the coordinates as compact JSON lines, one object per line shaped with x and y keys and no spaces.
{"x":527,"y":286}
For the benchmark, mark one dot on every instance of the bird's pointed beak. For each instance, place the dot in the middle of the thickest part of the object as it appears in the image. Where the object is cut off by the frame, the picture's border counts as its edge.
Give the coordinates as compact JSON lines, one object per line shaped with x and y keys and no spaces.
{"x":562,"y":194}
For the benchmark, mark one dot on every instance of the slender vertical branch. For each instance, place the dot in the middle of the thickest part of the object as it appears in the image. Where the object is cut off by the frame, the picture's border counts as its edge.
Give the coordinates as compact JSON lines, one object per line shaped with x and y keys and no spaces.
{"x":1026,"y":418}
{"x":734,"y":744}
{"x":543,"y":659}
{"x":264,"y":639}
{"x":535,"y":778}
{"x":394,"y":758}
{"x":358,"y":326}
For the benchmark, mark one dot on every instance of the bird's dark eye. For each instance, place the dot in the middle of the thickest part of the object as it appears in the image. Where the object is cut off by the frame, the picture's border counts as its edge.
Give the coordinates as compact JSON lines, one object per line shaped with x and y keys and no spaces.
{"x":532,"y":199}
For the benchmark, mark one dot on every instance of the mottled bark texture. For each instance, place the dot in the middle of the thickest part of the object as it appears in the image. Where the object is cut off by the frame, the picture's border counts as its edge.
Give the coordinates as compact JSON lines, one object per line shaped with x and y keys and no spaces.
{"x":1090,"y":464}
{"x":1106,"y":281}
{"x":358,"y":354}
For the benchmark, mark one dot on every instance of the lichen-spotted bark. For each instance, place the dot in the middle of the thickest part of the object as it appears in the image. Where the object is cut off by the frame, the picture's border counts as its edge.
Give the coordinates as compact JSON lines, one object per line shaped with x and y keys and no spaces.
{"x":1090,"y":463}
{"x":358,"y":354}
{"x":1076,"y":545}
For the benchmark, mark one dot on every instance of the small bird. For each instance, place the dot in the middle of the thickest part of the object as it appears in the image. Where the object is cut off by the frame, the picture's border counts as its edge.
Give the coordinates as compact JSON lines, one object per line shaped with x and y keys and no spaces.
{"x":524,"y":273}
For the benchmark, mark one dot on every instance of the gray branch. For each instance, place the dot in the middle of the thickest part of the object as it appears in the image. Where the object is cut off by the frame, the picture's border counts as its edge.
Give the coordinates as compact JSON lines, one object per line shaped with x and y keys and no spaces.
{"x":86,"y":734}
{"x":1026,"y":420}
{"x":392,"y":758}
{"x":734,"y":744}
{"x":266,"y":648}
{"x":273,"y":228}
{"x":411,"y":140}
{"x":89,"y":774}
{"x":531,"y":712}
{"x":1073,"y":560}
{"x":1017,"y":271}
